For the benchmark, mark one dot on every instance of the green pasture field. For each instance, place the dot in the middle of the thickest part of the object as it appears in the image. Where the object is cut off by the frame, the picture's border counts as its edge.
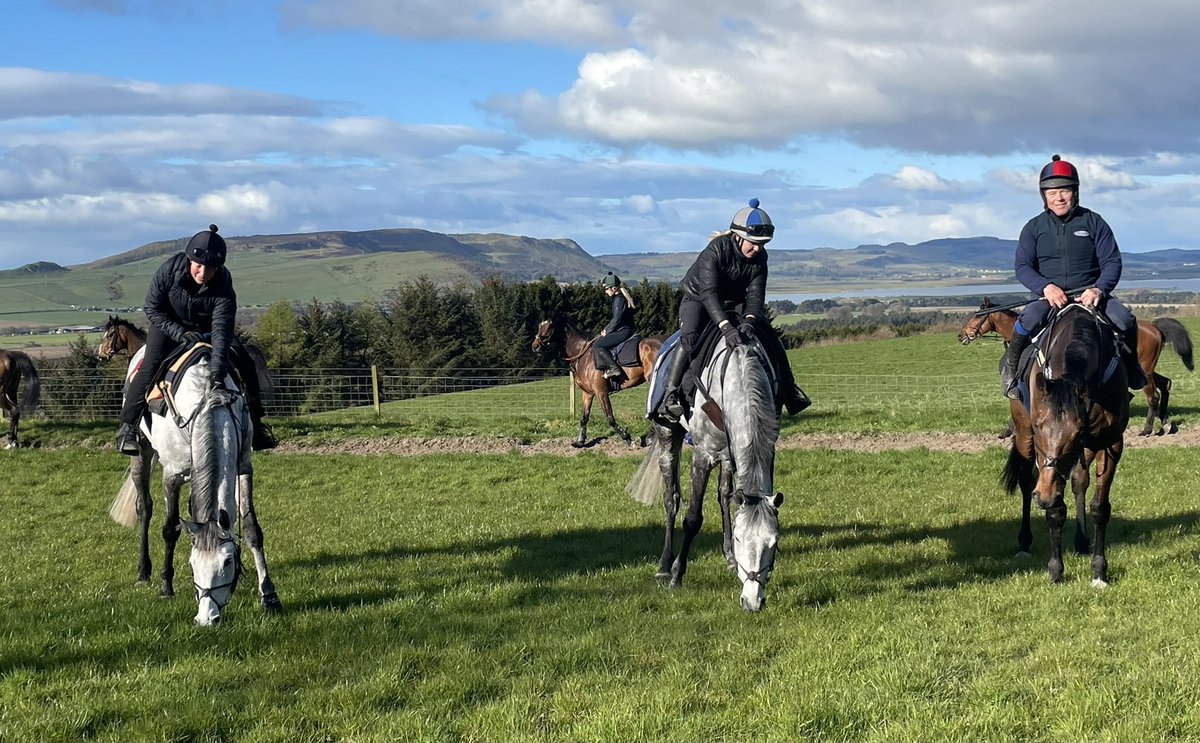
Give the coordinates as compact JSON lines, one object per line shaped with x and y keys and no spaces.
{"x":511,"y":597}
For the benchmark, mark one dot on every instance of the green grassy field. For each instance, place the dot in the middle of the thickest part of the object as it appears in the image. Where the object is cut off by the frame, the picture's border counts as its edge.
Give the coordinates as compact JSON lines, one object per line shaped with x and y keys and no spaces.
{"x":511,"y":597}
{"x":508,"y":597}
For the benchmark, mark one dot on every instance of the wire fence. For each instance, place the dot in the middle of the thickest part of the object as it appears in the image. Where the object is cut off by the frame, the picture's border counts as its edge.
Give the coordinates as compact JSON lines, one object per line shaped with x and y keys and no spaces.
{"x":545,"y":394}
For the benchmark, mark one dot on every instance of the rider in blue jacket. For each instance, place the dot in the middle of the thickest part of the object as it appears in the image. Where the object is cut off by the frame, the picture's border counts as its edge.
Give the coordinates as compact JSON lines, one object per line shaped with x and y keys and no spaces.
{"x":1067,"y":249}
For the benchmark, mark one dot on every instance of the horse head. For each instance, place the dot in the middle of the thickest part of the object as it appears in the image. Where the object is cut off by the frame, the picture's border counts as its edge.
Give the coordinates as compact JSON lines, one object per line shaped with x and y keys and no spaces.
{"x":111,"y":342}
{"x":216,"y":562}
{"x":975,"y":326}
{"x":755,"y":540}
{"x":544,"y":334}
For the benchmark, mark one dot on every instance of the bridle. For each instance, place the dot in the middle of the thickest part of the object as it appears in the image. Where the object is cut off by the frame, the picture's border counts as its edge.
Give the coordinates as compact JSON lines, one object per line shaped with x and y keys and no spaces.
{"x":974,"y":328}
{"x":110,"y":339}
{"x":231,"y":584}
{"x":763,"y":574}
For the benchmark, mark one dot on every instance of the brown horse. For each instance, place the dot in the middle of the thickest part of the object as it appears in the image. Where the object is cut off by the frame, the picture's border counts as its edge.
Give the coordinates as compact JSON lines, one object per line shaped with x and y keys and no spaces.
{"x":1076,"y":418}
{"x":1152,"y":336}
{"x":590,"y":380}
{"x":120,"y":335}
{"x":15,"y":365}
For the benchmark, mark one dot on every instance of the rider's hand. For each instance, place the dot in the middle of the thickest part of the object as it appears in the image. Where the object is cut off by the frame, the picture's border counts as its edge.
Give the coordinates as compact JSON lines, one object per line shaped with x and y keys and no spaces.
{"x":216,"y":377}
{"x":192,"y":337}
{"x":747,"y":326}
{"x":1055,"y":296}
{"x":1091,"y":298}
{"x":732,"y":337}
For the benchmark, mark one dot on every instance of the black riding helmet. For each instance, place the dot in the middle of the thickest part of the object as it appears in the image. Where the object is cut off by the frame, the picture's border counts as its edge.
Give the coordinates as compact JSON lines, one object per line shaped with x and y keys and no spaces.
{"x":207,"y":248}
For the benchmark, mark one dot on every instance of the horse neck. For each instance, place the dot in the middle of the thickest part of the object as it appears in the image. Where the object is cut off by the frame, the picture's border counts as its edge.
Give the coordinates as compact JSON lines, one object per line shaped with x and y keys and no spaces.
{"x":134,"y":339}
{"x":1004,"y":323}
{"x":573,"y":340}
{"x":214,"y":462}
{"x":752,"y":425}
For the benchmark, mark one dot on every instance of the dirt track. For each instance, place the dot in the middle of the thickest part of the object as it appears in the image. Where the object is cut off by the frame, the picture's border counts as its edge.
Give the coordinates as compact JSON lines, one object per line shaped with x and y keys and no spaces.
{"x":946,"y":442}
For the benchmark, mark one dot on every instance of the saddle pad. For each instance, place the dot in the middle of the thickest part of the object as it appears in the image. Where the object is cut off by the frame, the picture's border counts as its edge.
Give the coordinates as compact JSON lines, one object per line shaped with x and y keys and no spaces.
{"x":658,"y":382}
{"x":627,"y":352}
{"x":179,"y":363}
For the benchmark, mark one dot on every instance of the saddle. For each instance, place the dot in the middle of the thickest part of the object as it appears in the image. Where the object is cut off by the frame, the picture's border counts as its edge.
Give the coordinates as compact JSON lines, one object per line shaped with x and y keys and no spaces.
{"x":704,"y":351}
{"x":1110,"y":348}
{"x":161,"y":394}
{"x":627,"y":352}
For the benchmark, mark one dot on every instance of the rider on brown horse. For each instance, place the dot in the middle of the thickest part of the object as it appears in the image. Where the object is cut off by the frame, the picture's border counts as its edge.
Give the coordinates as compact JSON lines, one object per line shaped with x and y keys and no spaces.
{"x":730,"y":274}
{"x":191,"y":295}
{"x":1066,"y":248}
{"x":619,"y":328}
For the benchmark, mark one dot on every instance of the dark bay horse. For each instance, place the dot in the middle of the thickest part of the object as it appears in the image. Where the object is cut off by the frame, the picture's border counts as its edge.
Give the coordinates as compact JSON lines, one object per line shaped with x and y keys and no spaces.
{"x":1077,"y":417}
{"x":1152,"y":336}
{"x":590,"y":380}
{"x":734,"y":424}
{"x":15,"y":366}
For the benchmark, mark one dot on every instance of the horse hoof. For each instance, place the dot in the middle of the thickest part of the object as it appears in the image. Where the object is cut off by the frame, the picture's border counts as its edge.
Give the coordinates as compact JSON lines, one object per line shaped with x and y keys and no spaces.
{"x":141,"y":583}
{"x":272,"y":605}
{"x":1174,"y":429}
{"x":1021,"y":555}
{"x":167,"y":595}
{"x":577,"y":444}
{"x":1099,"y":583}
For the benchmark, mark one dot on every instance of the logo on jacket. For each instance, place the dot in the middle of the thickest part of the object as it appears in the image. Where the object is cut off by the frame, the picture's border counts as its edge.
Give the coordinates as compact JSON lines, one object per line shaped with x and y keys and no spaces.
{"x":1081,"y":233}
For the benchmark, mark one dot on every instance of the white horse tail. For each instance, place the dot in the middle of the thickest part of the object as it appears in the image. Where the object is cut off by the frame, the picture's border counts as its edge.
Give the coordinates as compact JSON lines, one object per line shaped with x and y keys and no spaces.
{"x":124,"y":507}
{"x":646,"y":486}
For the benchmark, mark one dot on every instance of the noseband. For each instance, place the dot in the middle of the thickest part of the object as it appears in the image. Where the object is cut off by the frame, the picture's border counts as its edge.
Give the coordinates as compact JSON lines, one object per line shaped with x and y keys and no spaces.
{"x":207,"y":593}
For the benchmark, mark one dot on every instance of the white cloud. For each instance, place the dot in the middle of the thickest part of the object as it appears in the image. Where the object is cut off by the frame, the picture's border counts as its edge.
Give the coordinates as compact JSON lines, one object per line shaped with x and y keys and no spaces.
{"x":913,"y":178}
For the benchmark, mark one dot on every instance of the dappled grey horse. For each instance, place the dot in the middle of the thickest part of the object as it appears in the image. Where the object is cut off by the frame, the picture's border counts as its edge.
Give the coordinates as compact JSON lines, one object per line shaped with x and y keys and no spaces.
{"x":205,"y":435}
{"x":734,"y":424}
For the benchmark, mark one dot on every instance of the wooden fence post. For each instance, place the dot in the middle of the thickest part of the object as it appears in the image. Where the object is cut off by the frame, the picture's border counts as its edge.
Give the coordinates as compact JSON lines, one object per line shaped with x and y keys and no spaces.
{"x":375,"y":387}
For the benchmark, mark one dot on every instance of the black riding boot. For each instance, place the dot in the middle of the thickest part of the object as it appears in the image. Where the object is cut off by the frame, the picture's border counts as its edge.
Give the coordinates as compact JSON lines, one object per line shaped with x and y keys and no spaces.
{"x":671,"y":408}
{"x":1008,"y":367}
{"x":1133,"y":367}
{"x":605,"y":362}
{"x":790,"y":394}
{"x":263,"y":437}
{"x":127,"y":440}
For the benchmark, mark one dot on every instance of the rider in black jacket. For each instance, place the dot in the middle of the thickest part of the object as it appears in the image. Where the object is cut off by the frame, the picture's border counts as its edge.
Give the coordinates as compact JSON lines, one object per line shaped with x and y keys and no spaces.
{"x":190,"y":296}
{"x":729,"y":278}
{"x":619,"y":328}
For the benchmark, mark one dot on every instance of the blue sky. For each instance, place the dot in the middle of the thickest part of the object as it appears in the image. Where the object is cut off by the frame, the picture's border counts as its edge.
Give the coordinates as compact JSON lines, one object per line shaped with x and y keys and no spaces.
{"x":624,"y":125}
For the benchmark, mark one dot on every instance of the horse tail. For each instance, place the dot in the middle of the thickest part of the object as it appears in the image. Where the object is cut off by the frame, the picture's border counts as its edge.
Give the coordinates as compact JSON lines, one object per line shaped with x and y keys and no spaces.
{"x":750,"y":419}
{"x":646,"y":486}
{"x":1177,"y":335}
{"x":31,"y":392}
{"x":1014,"y":469}
{"x":124,"y":507}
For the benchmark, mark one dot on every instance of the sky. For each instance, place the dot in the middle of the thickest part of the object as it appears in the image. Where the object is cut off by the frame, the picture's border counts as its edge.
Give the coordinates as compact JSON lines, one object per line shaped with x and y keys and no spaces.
{"x":627,"y":126}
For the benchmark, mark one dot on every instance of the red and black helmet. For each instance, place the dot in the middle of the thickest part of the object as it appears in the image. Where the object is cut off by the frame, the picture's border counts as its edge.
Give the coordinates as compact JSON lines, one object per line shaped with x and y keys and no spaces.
{"x":1058,"y":173}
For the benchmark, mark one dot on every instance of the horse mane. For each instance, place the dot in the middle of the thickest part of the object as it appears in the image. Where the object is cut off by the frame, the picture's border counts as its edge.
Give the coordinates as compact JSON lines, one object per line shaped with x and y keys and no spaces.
{"x":1079,"y":360}
{"x":748,"y":403}
{"x":204,"y":460}
{"x":759,"y":512}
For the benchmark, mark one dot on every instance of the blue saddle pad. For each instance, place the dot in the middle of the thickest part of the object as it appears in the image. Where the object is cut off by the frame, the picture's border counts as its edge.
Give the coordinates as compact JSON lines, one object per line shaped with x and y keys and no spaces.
{"x":658,"y":382}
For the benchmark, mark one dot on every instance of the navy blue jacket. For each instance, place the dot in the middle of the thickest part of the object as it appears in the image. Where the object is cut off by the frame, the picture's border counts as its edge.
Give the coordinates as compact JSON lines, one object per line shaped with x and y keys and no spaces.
{"x":176,"y":304}
{"x":622,"y":315}
{"x":722,"y":278}
{"x":1075,"y":252}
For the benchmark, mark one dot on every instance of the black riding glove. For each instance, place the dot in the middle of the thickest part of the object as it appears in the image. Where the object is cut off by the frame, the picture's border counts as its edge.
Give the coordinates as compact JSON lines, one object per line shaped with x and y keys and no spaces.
{"x":732,"y":337}
{"x":193,"y":337}
{"x":747,"y":327}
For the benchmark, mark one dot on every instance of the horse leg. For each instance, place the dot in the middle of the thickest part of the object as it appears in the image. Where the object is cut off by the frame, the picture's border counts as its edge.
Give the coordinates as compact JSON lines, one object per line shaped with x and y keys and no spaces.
{"x":1080,"y":479}
{"x":1164,"y":397}
{"x":668,"y":465}
{"x":1106,"y":469}
{"x":724,"y":491}
{"x":1056,"y":516}
{"x":172,"y":484}
{"x":1153,"y":402}
{"x":583,"y":419}
{"x":701,"y":469}
{"x":254,"y":537}
{"x":1021,"y":458}
{"x":139,"y":469}
{"x":606,"y":406}
{"x":13,"y":410}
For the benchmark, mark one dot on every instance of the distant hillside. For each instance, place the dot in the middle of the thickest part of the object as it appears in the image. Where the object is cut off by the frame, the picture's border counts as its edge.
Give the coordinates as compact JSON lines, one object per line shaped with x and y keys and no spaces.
{"x":472,"y":256}
{"x":952,"y":259}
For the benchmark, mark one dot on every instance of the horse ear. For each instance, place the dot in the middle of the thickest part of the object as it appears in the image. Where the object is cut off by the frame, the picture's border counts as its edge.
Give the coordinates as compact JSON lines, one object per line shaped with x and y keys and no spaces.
{"x":192,"y":527}
{"x":223,"y":519}
{"x":777,"y":501}
{"x":987,"y":302}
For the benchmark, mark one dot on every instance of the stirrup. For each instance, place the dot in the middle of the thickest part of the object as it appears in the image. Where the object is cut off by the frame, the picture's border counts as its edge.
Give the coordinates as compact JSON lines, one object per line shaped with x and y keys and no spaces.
{"x":612,"y":371}
{"x":128,"y":440}
{"x":264,"y":437}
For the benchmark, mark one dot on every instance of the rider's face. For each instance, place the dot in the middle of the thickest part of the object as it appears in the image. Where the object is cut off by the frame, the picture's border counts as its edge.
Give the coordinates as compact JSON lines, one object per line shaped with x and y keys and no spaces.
{"x":1059,"y":200}
{"x":748,"y":248}
{"x":201,"y":273}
